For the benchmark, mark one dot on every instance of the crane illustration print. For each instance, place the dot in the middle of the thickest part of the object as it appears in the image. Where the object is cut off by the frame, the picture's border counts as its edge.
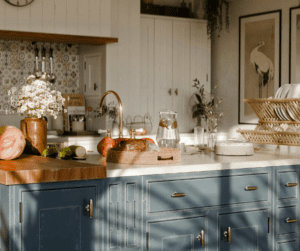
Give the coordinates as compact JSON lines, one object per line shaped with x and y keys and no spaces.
{"x":259,"y":60}
{"x":263,"y":66}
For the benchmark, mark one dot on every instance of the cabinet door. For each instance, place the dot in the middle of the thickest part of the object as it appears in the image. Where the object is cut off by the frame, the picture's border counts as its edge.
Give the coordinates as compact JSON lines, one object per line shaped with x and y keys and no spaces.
{"x":176,"y":235}
{"x":181,"y":72}
{"x":163,"y":66}
{"x":147,"y":67}
{"x":93,"y":75}
{"x":58,"y":220}
{"x":248,"y":231}
{"x":123,"y":214}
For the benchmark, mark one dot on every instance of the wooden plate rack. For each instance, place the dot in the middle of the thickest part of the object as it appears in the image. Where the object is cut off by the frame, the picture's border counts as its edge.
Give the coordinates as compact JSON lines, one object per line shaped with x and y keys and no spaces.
{"x":271,"y":129}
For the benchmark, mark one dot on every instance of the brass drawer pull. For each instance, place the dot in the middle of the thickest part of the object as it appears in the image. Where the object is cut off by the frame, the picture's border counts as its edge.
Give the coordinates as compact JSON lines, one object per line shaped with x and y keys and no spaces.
{"x":288,"y":220}
{"x":200,"y":238}
{"x":248,"y":188}
{"x":227,"y":234}
{"x":291,"y":184}
{"x":90,"y":208}
{"x":175,"y":194}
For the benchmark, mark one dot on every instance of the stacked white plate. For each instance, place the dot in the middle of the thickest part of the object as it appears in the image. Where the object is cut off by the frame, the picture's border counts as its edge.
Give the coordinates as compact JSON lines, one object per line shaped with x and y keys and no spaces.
{"x":287,"y":91}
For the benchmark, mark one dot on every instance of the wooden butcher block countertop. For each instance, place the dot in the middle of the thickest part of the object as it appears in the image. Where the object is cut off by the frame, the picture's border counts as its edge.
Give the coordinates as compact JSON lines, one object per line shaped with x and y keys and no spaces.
{"x":35,"y":169}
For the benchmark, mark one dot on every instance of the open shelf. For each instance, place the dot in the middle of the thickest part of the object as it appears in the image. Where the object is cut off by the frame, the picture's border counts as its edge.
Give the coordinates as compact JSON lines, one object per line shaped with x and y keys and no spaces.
{"x":55,"y":38}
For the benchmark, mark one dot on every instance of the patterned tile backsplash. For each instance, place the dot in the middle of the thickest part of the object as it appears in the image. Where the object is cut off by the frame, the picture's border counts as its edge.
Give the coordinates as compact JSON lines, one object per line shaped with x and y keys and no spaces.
{"x":17,"y":62}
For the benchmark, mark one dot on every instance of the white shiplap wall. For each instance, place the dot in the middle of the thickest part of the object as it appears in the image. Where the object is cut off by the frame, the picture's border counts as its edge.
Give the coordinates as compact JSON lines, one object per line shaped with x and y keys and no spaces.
{"x":75,"y":17}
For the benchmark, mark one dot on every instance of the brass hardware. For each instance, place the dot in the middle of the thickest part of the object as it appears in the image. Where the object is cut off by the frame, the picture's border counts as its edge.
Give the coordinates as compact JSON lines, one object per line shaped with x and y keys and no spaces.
{"x":95,"y":86}
{"x":161,"y":158}
{"x":227,"y":234}
{"x":20,"y":208}
{"x":291,"y":184}
{"x":147,"y":241}
{"x":248,"y":188}
{"x":200,"y":237}
{"x":90,"y":208}
{"x":176,"y":91}
{"x":175,"y":194}
{"x":288,"y":220}
{"x":170,"y":92}
{"x":120,"y":110}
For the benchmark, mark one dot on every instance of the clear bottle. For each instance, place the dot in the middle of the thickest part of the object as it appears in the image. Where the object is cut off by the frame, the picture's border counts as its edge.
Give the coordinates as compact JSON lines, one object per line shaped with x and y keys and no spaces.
{"x":89,"y":120}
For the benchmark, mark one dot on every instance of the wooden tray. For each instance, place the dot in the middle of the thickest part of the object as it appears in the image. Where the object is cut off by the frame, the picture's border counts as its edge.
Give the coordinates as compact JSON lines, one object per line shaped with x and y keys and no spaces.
{"x":164,"y":156}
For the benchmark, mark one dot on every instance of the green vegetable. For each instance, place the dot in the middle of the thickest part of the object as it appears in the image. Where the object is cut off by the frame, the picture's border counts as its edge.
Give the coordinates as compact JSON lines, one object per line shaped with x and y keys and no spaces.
{"x":65,"y":153}
{"x":51,"y":152}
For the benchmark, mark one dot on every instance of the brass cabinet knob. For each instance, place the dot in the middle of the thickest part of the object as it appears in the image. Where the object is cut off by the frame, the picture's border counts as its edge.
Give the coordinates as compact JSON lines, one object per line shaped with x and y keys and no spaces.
{"x":227,"y":234}
{"x":176,"y":91}
{"x":289,"y":184}
{"x":175,"y":194}
{"x":288,"y":220}
{"x":249,"y":188}
{"x":170,"y":91}
{"x":200,"y":238}
{"x":90,"y":208}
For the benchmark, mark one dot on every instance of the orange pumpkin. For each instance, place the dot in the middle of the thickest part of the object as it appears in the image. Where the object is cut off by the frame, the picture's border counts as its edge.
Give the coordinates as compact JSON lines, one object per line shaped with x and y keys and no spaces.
{"x":121,"y":139}
{"x":105,"y":144}
{"x":12,"y":142}
{"x":150,"y":140}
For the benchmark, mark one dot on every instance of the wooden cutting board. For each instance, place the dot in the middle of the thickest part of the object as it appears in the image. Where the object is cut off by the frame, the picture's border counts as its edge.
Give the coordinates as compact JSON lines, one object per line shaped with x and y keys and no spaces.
{"x":164,"y":156}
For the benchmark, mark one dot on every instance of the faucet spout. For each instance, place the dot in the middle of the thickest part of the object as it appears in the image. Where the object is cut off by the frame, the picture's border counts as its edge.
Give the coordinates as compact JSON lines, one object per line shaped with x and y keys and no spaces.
{"x":120,"y":110}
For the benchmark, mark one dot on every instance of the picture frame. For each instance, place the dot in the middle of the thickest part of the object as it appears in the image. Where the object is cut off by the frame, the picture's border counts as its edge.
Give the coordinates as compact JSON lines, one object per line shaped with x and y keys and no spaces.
{"x":294,"y":76}
{"x":259,"y":60}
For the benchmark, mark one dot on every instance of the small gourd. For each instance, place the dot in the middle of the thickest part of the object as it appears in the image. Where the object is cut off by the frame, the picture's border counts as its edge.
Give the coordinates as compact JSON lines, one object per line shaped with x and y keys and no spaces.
{"x":105,"y":144}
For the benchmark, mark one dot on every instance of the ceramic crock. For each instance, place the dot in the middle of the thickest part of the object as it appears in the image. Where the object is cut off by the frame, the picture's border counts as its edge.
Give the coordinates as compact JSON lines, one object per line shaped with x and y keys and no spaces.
{"x":35,"y":131}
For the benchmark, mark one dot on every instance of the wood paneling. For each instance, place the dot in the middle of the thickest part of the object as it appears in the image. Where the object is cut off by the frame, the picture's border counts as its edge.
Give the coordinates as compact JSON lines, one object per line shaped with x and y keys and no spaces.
{"x":76,"y":17}
{"x":55,"y":38}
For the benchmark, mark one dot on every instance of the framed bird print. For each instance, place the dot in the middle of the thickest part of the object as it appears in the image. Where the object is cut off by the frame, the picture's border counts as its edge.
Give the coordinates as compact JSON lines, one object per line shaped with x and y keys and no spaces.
{"x":294,"y":45}
{"x":259,"y":60}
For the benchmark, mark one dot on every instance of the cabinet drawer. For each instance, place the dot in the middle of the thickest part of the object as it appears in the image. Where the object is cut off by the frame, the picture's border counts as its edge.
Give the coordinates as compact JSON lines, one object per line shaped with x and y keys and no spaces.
{"x":287,"y":245}
{"x":284,"y":214}
{"x":287,"y":185}
{"x":202,"y":192}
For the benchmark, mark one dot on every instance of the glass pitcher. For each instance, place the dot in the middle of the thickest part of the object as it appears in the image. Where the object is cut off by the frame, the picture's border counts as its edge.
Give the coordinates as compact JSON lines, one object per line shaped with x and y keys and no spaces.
{"x":167,"y":132}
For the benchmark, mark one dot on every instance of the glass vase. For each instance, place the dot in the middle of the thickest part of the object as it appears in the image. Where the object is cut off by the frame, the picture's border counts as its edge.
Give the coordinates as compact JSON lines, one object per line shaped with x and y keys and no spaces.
{"x":199,"y":134}
{"x":212,"y":124}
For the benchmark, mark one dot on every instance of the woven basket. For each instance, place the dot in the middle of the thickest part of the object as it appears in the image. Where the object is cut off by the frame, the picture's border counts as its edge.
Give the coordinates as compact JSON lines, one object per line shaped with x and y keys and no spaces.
{"x":164,"y":156}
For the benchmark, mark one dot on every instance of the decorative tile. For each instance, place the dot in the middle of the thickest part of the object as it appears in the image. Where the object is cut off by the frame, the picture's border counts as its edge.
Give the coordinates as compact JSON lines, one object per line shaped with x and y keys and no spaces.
{"x":17,"y":61}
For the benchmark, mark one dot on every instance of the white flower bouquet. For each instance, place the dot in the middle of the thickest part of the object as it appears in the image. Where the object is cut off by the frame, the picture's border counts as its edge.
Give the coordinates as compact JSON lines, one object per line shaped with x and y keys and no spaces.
{"x":36,"y":98}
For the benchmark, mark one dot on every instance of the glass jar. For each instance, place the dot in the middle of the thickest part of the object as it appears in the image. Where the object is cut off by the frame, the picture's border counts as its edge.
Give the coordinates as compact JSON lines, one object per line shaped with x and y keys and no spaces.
{"x":167,"y":132}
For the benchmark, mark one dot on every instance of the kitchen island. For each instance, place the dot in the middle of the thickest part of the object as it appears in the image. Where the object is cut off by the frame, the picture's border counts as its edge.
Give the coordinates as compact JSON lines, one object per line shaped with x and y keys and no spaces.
{"x":207,"y":202}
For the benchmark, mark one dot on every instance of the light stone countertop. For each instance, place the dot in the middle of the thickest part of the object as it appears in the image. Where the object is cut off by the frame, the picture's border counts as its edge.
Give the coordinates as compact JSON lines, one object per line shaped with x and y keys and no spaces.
{"x":268,"y":155}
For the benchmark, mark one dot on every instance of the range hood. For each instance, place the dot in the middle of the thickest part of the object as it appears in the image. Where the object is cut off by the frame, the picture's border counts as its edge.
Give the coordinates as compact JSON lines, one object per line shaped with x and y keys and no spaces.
{"x":55,"y":38}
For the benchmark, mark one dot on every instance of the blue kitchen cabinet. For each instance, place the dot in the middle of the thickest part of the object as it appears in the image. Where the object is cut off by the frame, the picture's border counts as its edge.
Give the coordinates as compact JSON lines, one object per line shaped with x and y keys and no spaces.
{"x":247,"y":231}
{"x":60,"y":219}
{"x":177,"y":234}
{"x":177,"y":208}
{"x":51,"y":216}
{"x":290,"y":245}
{"x":123,"y":220}
{"x":286,"y":208}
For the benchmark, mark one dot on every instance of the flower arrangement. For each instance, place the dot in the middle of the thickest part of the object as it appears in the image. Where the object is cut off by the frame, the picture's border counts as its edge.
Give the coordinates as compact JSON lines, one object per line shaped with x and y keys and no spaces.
{"x":206,"y":107}
{"x":35,"y":98}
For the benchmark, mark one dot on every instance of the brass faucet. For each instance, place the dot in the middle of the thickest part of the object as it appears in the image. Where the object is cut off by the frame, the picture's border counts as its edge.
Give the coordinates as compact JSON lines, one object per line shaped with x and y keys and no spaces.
{"x":120,"y":110}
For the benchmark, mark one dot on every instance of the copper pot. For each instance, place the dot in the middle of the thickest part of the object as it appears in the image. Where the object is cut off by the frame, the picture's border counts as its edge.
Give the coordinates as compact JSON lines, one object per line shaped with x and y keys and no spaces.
{"x":35,"y":131}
